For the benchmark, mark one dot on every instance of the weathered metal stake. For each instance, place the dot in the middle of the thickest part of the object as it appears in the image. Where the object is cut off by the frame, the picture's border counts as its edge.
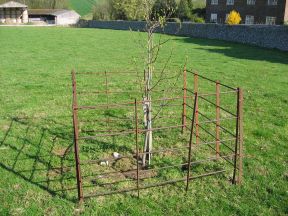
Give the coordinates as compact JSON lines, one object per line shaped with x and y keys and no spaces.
{"x":191,"y":140}
{"x":240,"y":165}
{"x":184,"y":99}
{"x":217,"y":119}
{"x":76,"y":138}
{"x":239,"y":139}
{"x":196,"y":108}
{"x":137,"y":147}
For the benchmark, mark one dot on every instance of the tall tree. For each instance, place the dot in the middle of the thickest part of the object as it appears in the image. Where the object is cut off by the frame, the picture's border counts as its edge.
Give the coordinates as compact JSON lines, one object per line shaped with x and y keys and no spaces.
{"x":185,"y":10}
{"x":164,"y":8}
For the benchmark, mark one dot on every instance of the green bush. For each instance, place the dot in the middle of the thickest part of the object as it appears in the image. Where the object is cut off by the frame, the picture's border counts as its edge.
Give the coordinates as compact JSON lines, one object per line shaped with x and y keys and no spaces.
{"x":197,"y":19}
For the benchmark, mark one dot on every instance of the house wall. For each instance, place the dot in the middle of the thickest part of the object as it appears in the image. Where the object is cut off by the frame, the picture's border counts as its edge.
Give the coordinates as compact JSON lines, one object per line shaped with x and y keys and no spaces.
{"x":69,"y":18}
{"x":12,"y":15}
{"x":260,"y":10}
{"x":258,"y":35}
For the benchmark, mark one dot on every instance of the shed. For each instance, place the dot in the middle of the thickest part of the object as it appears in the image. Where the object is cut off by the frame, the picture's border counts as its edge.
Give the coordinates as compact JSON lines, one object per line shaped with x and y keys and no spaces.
{"x":54,"y":16}
{"x":13,"y":12}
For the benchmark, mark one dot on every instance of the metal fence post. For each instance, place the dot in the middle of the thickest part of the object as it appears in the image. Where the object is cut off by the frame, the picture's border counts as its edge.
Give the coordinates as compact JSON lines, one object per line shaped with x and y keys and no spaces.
{"x":184,"y":113}
{"x":239,"y":139}
{"x":196,"y":108}
{"x":240,"y":164}
{"x":137,"y":147}
{"x":76,"y":138}
{"x":217,"y":119}
{"x":191,"y":140}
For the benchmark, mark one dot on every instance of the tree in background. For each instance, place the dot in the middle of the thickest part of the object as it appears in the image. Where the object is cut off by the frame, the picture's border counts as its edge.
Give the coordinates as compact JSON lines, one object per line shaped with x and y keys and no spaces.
{"x":42,"y":4}
{"x":103,"y":10}
{"x":164,"y":8}
{"x":185,"y":10}
{"x":118,"y":10}
{"x":129,"y":9}
{"x":233,"y":18}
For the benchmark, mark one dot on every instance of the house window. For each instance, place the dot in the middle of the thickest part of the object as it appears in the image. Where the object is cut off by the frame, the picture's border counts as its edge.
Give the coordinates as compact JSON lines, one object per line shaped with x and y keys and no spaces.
{"x":249,"y":20}
{"x":213,"y":17}
{"x":270,"y":20}
{"x":251,"y":2}
{"x":214,"y":2}
{"x":230,"y":2}
{"x":226,"y":17}
{"x":272,"y":2}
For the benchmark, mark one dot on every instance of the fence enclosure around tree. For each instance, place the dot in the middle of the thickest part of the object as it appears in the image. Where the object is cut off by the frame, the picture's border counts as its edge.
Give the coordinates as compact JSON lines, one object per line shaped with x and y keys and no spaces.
{"x":197,"y":132}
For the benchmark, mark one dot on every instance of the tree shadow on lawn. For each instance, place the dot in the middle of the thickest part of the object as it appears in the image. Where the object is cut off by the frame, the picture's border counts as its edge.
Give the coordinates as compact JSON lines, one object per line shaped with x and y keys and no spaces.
{"x":41,"y":152}
{"x":237,"y":50}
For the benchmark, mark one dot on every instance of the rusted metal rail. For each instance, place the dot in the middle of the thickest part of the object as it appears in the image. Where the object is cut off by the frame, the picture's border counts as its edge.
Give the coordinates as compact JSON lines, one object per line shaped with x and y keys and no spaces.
{"x":192,"y":113}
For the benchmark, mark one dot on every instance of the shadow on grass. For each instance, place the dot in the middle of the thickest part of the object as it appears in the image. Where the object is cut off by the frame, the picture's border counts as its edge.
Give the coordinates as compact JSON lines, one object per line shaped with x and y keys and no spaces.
{"x":237,"y":50}
{"x":40,"y":151}
{"x":40,"y":155}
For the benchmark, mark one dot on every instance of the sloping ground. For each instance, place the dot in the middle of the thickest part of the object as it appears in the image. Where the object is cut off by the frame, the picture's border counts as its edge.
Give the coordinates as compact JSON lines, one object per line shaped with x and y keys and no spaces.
{"x":36,"y":155}
{"x":83,"y":7}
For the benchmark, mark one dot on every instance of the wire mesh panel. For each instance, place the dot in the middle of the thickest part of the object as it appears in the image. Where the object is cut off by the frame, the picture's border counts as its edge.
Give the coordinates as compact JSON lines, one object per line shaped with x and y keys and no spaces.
{"x":191,"y":134}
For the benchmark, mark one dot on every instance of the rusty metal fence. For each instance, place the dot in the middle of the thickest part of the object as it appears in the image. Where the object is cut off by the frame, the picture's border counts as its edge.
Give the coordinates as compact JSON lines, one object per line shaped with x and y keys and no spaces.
{"x":201,"y":137}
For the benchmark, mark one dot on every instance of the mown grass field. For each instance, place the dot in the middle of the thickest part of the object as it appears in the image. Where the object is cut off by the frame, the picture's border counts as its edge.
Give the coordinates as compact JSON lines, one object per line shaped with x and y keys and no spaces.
{"x":36,"y":125}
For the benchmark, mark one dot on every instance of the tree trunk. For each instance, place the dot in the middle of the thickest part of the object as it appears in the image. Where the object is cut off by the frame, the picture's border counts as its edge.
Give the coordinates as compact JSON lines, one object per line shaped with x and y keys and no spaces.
{"x":147,"y":103}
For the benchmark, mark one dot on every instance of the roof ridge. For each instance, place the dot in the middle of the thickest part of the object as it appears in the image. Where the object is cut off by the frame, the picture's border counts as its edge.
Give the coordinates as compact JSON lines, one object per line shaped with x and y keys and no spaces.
{"x":12,"y":4}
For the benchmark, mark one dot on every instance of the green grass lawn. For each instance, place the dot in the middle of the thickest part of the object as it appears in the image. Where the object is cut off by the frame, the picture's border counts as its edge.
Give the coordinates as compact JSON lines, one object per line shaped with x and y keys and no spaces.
{"x":36,"y":125}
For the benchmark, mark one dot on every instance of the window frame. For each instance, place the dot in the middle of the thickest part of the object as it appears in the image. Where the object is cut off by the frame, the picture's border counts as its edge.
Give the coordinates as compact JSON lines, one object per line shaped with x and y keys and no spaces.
{"x":230,"y":2}
{"x":272,"y":2}
{"x":251,"y":2}
{"x":214,"y":2}
{"x":251,"y":18}
{"x":214,"y":20}
{"x":272,"y":20}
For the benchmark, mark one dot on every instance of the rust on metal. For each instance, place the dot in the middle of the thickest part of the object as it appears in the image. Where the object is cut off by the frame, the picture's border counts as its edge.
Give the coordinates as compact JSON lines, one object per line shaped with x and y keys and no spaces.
{"x":217,"y":119}
{"x":190,"y":141}
{"x":227,"y":148}
{"x":196,"y":108}
{"x":184,"y":99}
{"x":241,"y":98}
{"x":76,"y":138}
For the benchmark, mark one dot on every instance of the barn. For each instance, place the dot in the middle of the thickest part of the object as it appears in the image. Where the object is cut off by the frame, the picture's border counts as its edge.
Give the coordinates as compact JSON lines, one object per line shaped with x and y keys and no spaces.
{"x":13,"y":13}
{"x":53,"y":16}
{"x":17,"y":13}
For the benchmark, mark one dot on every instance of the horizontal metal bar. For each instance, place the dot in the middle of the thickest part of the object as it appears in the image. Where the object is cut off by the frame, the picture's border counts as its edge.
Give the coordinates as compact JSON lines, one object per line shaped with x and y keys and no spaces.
{"x":128,"y":132}
{"x":208,"y":132}
{"x":107,"y":119}
{"x":106,"y":73}
{"x":106,"y":92}
{"x":214,"y":122}
{"x":224,"y":158}
{"x":153,"y":185}
{"x":165,"y":167}
{"x":189,"y":71}
{"x":218,"y":106}
{"x":127,"y":103}
{"x":211,"y":94}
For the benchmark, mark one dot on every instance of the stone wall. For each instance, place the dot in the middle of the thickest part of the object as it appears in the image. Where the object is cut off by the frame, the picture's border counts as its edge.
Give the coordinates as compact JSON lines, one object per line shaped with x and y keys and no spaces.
{"x":258,"y":35}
